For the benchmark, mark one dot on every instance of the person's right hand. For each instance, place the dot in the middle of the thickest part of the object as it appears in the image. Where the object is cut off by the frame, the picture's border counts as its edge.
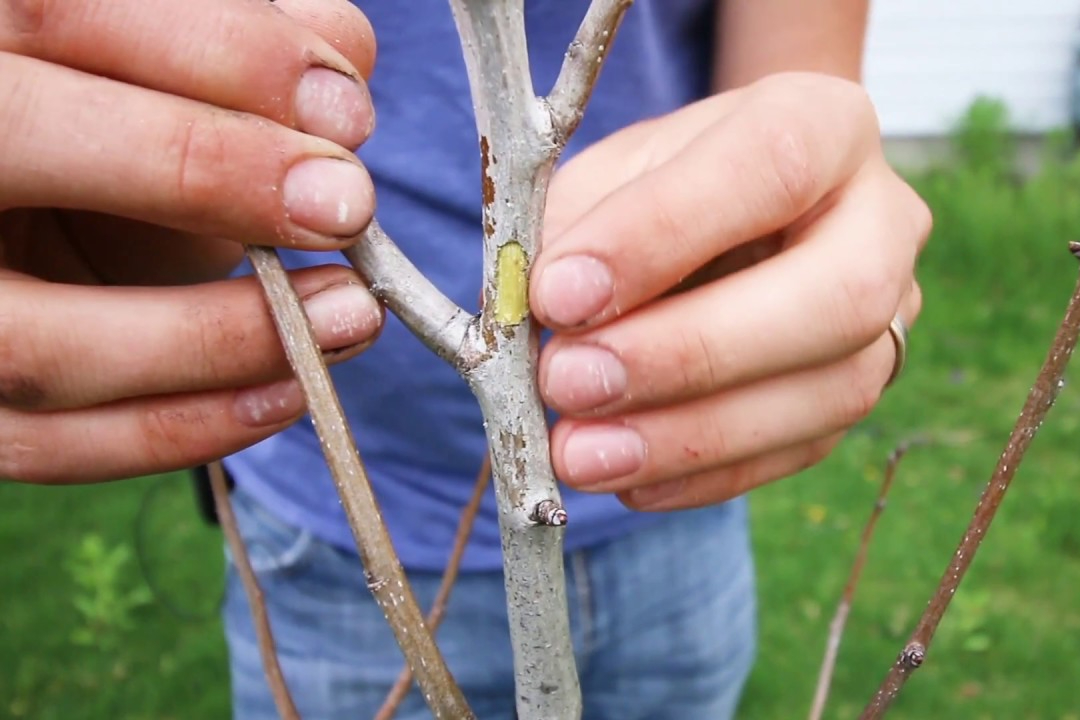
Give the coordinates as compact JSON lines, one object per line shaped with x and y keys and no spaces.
{"x":140,"y":142}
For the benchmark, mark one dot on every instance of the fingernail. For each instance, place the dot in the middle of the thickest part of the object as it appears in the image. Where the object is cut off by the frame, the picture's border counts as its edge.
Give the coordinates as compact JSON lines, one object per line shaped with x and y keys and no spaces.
{"x":656,"y":497}
{"x":597,"y":453}
{"x":583,"y":377}
{"x":574,"y":289}
{"x":328,"y":196}
{"x":334,"y":106}
{"x":269,"y":404}
{"x":343,"y":316}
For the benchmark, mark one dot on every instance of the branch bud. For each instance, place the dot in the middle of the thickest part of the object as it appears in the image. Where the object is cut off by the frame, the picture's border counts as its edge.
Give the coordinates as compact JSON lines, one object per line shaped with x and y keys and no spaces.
{"x":550,"y":513}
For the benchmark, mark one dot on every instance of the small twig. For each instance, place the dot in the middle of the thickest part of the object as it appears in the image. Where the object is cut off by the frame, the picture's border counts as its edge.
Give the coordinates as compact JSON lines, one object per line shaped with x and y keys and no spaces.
{"x":282,"y":699}
{"x":581,"y":66}
{"x":836,"y":627}
{"x":433,"y":317}
{"x":439,"y":605}
{"x":1039,"y":401}
{"x":385,"y":576}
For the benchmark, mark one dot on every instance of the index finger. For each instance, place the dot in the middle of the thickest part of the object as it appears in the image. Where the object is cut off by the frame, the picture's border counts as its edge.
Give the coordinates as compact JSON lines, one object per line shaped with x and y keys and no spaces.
{"x":757,"y":170}
{"x":245,"y":55}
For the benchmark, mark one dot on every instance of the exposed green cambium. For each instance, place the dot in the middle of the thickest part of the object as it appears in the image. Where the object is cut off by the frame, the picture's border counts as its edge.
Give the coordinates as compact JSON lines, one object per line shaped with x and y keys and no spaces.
{"x":511,"y":285}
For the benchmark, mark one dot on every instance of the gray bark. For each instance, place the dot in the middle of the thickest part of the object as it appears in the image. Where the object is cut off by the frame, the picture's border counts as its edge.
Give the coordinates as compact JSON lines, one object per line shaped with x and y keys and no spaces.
{"x":520,"y":137}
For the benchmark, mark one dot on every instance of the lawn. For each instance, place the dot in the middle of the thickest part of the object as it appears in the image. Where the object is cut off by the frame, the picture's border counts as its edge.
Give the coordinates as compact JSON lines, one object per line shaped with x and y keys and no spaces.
{"x":82,"y":638}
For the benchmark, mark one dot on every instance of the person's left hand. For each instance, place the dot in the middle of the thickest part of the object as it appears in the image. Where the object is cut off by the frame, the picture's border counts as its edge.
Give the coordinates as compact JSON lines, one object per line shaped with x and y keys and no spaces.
{"x":720,"y":282}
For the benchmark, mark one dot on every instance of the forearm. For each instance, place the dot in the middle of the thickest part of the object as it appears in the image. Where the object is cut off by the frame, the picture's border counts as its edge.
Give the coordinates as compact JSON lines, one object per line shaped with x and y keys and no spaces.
{"x":761,"y":37}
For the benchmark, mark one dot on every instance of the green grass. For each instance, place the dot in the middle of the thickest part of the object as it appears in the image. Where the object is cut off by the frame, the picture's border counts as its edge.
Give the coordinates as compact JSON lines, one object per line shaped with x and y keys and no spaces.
{"x":161,"y":667}
{"x":996,"y":278}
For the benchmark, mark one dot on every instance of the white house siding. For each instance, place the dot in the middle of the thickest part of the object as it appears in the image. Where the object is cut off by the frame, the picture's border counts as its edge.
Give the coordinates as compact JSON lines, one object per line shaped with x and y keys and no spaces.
{"x":928,"y":59}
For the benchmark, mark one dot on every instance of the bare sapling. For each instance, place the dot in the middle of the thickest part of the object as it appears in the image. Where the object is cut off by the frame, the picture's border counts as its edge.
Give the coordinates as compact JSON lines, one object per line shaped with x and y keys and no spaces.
{"x":520,"y":137}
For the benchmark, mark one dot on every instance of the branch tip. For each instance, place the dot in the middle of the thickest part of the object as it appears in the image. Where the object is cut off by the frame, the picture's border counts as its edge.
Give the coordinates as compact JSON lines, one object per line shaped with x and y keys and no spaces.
{"x":843,"y":609}
{"x":581,"y":66}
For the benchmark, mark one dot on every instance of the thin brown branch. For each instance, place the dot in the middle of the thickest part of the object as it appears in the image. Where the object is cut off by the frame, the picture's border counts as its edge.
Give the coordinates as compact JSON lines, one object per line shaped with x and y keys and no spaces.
{"x":442,"y":597}
{"x":581,"y":66}
{"x":839,"y":621}
{"x":385,"y":576}
{"x":282,"y":699}
{"x":1039,"y":401}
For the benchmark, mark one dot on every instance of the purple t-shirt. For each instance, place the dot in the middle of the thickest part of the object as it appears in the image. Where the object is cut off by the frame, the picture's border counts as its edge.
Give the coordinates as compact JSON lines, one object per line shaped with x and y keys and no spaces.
{"x":416,"y":423}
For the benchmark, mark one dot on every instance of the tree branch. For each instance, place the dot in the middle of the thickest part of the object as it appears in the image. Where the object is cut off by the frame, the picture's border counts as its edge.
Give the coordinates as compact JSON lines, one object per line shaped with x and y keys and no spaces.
{"x":1039,"y":401}
{"x":581,"y":66}
{"x":519,"y":144}
{"x":442,"y":597}
{"x":282,"y":699}
{"x":385,"y":577}
{"x":434,"y":318}
{"x":836,"y":627}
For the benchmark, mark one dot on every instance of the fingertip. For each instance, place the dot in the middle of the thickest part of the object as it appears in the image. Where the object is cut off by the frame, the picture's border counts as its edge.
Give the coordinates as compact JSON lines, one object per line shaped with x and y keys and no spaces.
{"x":571,"y":291}
{"x":334,"y":106}
{"x":557,"y":440}
{"x":345,"y":318}
{"x":581,"y":377}
{"x":268,"y":405}
{"x":329,"y":196}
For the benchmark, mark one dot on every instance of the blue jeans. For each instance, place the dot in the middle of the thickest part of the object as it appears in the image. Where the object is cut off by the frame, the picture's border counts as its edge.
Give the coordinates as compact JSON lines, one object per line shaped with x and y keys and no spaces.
{"x":663,"y":624}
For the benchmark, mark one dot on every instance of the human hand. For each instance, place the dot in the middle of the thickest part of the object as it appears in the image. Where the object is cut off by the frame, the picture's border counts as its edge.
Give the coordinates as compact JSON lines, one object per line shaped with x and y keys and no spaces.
{"x":721,"y":281}
{"x":139,"y":140}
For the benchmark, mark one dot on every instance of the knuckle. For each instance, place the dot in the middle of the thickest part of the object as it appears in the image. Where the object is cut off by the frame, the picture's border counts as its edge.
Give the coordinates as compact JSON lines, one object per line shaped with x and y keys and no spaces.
{"x":865,"y":383}
{"x":25,"y":19}
{"x":869,"y":297}
{"x":740,"y":479}
{"x":852,"y":103}
{"x":19,"y":456}
{"x":915,"y":301}
{"x":912,"y":215}
{"x":843,"y":109}
{"x":817,"y":453}
{"x":20,"y":391}
{"x":699,"y":368}
{"x":789,"y":161}
{"x":710,"y":445}
{"x":20,"y":99}
{"x":922,"y":217}
{"x":20,"y":385}
{"x":199,"y":150}
{"x":675,"y":227}
{"x":217,"y":342}
{"x":170,"y":433}
{"x":855,"y":97}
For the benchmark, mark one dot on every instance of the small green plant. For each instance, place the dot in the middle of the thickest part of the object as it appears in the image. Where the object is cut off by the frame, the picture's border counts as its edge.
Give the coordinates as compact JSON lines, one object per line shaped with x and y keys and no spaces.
{"x":982,"y":139}
{"x":104,"y":605}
